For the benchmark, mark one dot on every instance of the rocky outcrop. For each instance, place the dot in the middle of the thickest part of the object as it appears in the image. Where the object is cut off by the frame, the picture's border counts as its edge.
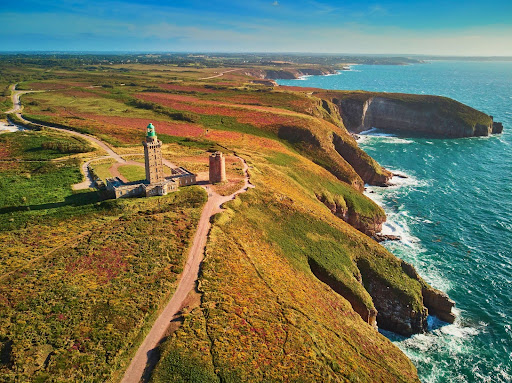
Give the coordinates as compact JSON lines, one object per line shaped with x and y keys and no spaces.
{"x":417,"y":114}
{"x":369,"y":226}
{"x":395,"y":312}
{"x":319,"y":150}
{"x":437,"y":302}
{"x":497,"y":127}
{"x":270,"y":83}
{"x":367,"y":168}
{"x":289,"y":73}
{"x":369,"y":315}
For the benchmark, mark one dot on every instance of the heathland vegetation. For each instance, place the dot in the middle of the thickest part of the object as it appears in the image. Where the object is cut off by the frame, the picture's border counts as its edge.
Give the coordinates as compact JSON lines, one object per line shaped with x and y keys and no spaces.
{"x":292,"y":284}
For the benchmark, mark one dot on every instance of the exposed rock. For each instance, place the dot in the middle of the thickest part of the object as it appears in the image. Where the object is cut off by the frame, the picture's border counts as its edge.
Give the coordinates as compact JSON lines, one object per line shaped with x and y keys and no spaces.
{"x":437,"y":302}
{"x":497,"y":127}
{"x":417,"y":114}
{"x":340,"y":211}
{"x":320,"y":150}
{"x":289,"y":73}
{"x":394,"y":312}
{"x":369,"y":315}
{"x":371,"y":172}
{"x":385,"y":237}
{"x":270,"y":83}
{"x":364,"y":225}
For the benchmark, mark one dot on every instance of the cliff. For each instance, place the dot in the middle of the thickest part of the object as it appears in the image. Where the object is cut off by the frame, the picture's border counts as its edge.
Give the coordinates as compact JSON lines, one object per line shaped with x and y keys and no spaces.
{"x":433,"y":116}
{"x":288,"y":73}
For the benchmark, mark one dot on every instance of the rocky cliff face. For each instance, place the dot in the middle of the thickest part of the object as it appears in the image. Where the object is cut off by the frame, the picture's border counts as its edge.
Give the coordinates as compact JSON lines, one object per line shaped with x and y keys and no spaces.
{"x":363,"y":164}
{"x":417,"y":114}
{"x":395,"y":311}
{"x":437,"y":302}
{"x":289,"y":73}
{"x":365,"y":225}
{"x":368,"y":314}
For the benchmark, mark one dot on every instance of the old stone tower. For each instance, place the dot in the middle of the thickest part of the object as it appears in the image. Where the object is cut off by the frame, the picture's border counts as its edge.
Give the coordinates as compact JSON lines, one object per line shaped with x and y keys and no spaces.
{"x":153,"y":156}
{"x":217,"y":168}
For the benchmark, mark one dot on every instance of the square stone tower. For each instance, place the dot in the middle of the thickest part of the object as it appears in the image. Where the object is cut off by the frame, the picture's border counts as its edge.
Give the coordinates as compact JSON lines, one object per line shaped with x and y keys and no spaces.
{"x":153,"y":156}
{"x":217,"y":168}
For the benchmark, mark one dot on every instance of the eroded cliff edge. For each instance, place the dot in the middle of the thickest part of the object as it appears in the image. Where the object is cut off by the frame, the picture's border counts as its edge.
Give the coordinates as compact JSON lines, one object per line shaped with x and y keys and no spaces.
{"x":425,"y":115}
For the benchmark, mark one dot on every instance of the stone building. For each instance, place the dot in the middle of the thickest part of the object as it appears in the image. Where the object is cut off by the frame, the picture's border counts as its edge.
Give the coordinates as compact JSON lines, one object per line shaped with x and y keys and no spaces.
{"x":217,"y":168}
{"x":153,"y":156}
{"x":155,"y":183}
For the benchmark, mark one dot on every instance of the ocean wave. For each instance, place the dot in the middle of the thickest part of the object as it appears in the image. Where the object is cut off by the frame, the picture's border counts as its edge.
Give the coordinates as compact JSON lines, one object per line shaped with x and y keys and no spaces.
{"x":376,"y":132}
{"x":385,"y":136}
{"x":399,"y":222}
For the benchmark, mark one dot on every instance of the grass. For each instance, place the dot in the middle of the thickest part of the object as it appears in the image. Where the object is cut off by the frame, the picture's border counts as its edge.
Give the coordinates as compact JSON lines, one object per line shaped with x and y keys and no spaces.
{"x":102,"y":168}
{"x":81,"y":279}
{"x":43,"y":145}
{"x":132,"y":172}
{"x":325,"y":184}
{"x":255,"y":322}
{"x":73,"y":315}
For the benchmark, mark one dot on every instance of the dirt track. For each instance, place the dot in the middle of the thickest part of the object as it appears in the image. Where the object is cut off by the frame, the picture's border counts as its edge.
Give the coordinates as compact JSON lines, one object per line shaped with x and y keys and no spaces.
{"x":188,"y":278}
{"x":187,"y":282}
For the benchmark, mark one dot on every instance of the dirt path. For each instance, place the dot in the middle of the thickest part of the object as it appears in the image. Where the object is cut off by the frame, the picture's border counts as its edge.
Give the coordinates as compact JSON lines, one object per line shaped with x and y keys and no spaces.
{"x":219,"y":75}
{"x":188,"y":280}
{"x":89,"y":180}
{"x":17,"y":108}
{"x":114,"y":169}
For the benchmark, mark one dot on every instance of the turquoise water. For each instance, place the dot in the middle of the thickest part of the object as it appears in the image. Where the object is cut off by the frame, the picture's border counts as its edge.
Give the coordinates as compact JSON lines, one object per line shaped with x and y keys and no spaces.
{"x":454,"y":214}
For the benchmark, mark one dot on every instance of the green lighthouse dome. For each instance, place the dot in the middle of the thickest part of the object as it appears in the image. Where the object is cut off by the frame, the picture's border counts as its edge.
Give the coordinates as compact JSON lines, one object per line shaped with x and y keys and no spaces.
{"x":151,"y":131}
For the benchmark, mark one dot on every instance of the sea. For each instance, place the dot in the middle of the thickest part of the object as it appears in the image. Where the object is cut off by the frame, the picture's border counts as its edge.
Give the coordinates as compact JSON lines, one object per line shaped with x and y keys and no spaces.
{"x":453,"y":213}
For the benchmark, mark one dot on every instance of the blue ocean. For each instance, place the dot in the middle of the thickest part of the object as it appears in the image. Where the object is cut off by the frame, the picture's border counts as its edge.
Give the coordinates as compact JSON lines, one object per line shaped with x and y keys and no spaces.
{"x":453,"y":213}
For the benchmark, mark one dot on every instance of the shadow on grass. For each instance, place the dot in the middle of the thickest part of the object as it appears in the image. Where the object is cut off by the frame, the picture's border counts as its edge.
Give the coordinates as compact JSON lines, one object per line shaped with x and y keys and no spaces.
{"x":76,"y":200}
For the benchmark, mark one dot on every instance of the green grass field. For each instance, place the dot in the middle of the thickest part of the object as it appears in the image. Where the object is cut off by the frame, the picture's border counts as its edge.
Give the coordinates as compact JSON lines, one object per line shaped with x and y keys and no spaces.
{"x":132,"y":172}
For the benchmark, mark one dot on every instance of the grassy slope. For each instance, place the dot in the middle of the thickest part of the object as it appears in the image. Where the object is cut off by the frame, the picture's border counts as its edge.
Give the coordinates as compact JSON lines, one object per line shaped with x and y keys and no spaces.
{"x":264,"y":316}
{"x":256,"y":276}
{"x":296,"y":118}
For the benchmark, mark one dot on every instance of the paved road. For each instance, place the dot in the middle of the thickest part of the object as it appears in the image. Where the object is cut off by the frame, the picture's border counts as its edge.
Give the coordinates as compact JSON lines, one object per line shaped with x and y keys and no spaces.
{"x":187,"y":282}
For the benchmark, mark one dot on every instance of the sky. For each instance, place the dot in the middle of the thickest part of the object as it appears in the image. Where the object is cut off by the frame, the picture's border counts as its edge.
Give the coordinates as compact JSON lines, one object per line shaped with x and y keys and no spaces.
{"x":435,"y":27}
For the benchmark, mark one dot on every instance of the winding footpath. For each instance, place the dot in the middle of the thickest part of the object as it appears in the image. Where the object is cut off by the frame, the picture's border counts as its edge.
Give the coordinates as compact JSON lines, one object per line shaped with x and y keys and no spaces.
{"x":88,"y":181}
{"x":188,"y":279}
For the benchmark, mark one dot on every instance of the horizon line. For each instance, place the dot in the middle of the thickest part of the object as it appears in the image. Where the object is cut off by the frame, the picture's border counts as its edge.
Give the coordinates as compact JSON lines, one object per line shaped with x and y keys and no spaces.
{"x":117,"y":52}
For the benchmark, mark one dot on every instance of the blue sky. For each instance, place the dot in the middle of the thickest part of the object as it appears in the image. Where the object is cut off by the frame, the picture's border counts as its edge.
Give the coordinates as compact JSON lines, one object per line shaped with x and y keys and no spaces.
{"x":400,"y":27}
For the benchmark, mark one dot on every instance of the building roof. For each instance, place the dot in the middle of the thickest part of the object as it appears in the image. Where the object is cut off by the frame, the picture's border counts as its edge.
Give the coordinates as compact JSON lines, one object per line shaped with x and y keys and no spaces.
{"x":151,"y":131}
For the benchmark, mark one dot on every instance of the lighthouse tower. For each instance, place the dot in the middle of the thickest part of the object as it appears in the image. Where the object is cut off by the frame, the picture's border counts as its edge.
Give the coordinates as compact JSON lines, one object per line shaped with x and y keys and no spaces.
{"x":217,"y":168}
{"x":153,"y":156}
